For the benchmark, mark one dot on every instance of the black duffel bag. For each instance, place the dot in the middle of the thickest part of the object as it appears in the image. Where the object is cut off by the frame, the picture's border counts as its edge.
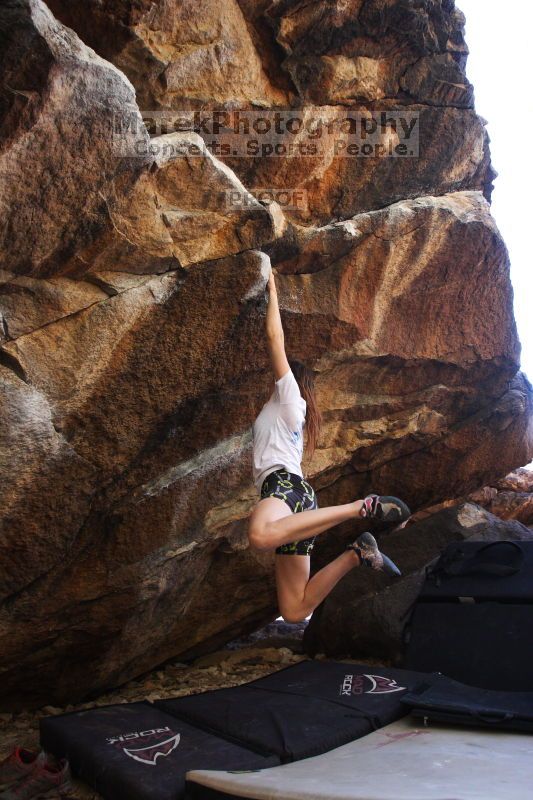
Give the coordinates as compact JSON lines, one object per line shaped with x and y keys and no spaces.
{"x":501,"y":570}
{"x":473,"y":619}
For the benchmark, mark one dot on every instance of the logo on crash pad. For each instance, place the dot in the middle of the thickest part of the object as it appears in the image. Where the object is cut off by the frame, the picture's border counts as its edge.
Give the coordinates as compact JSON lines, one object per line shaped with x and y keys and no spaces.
{"x":159,"y":742}
{"x":369,"y":684}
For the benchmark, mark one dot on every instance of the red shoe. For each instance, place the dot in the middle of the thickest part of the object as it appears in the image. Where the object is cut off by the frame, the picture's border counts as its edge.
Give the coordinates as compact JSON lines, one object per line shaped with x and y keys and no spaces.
{"x":46,"y":780}
{"x":18,"y":764}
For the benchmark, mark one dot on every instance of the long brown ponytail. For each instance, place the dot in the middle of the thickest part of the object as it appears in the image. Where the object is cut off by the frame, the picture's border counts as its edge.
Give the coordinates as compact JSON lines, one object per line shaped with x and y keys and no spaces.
{"x":313,"y":418}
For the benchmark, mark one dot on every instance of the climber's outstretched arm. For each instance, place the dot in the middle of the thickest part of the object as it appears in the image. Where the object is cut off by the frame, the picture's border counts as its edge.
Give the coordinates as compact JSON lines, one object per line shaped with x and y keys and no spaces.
{"x":274,"y":332}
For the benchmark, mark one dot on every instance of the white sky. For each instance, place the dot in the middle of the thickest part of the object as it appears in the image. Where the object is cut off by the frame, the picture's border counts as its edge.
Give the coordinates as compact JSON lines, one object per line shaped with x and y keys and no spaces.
{"x":498,"y":36}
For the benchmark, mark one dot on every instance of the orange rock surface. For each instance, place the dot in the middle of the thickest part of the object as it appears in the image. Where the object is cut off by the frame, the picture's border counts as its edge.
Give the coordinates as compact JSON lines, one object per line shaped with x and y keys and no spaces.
{"x":132,"y":302}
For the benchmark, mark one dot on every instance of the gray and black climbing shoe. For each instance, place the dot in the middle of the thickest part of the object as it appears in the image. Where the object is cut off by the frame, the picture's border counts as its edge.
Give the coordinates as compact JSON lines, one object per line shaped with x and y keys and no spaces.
{"x":371,"y":556}
{"x":385,"y":508}
{"x":18,"y":764}
{"x":48,"y":779}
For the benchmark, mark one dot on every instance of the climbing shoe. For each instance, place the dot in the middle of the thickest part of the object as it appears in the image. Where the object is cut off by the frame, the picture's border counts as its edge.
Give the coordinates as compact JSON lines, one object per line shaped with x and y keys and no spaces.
{"x":371,"y":556}
{"x":47,"y":779}
{"x":384,"y":508}
{"x":18,"y":764}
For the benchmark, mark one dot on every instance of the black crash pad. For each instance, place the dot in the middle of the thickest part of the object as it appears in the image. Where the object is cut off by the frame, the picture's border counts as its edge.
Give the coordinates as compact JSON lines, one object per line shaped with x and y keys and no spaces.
{"x":301,"y":711}
{"x":452,"y":702}
{"x":134,"y":751}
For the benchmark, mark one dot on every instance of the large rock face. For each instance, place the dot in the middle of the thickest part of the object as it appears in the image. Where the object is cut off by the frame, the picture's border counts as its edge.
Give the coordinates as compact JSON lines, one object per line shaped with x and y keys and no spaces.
{"x":132,"y":302}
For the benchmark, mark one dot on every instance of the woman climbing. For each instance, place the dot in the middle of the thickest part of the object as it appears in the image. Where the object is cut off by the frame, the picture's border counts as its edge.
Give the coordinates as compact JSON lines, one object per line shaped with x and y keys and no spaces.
{"x":277,"y":474}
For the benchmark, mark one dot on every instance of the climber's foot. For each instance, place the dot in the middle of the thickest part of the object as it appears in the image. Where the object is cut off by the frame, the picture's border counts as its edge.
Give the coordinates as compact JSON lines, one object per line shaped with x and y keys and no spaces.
{"x":366,"y":547}
{"x":384,"y":508}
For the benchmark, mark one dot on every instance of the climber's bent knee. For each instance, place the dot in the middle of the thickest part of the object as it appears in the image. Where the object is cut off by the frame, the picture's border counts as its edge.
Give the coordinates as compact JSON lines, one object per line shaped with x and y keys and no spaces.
{"x":268,"y":510}
{"x":258,"y":541}
{"x":293,"y":615}
{"x":258,"y":537}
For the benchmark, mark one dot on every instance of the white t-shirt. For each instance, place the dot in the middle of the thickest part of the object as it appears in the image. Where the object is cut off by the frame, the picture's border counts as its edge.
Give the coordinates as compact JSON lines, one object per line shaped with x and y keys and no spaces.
{"x":278,"y":431}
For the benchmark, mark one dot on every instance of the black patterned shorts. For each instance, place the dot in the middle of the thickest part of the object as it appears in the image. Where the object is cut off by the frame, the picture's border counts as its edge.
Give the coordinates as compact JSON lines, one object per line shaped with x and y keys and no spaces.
{"x":299,"y":496}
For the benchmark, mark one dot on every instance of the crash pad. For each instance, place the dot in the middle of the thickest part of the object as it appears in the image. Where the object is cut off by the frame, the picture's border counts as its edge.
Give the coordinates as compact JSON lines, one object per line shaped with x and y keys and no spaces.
{"x":133,"y":751}
{"x":303,"y":710}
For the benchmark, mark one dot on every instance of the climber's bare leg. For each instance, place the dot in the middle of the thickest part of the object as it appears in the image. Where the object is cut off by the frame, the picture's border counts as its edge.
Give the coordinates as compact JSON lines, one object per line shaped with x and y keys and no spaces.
{"x":298,"y":595}
{"x":272,"y":522}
